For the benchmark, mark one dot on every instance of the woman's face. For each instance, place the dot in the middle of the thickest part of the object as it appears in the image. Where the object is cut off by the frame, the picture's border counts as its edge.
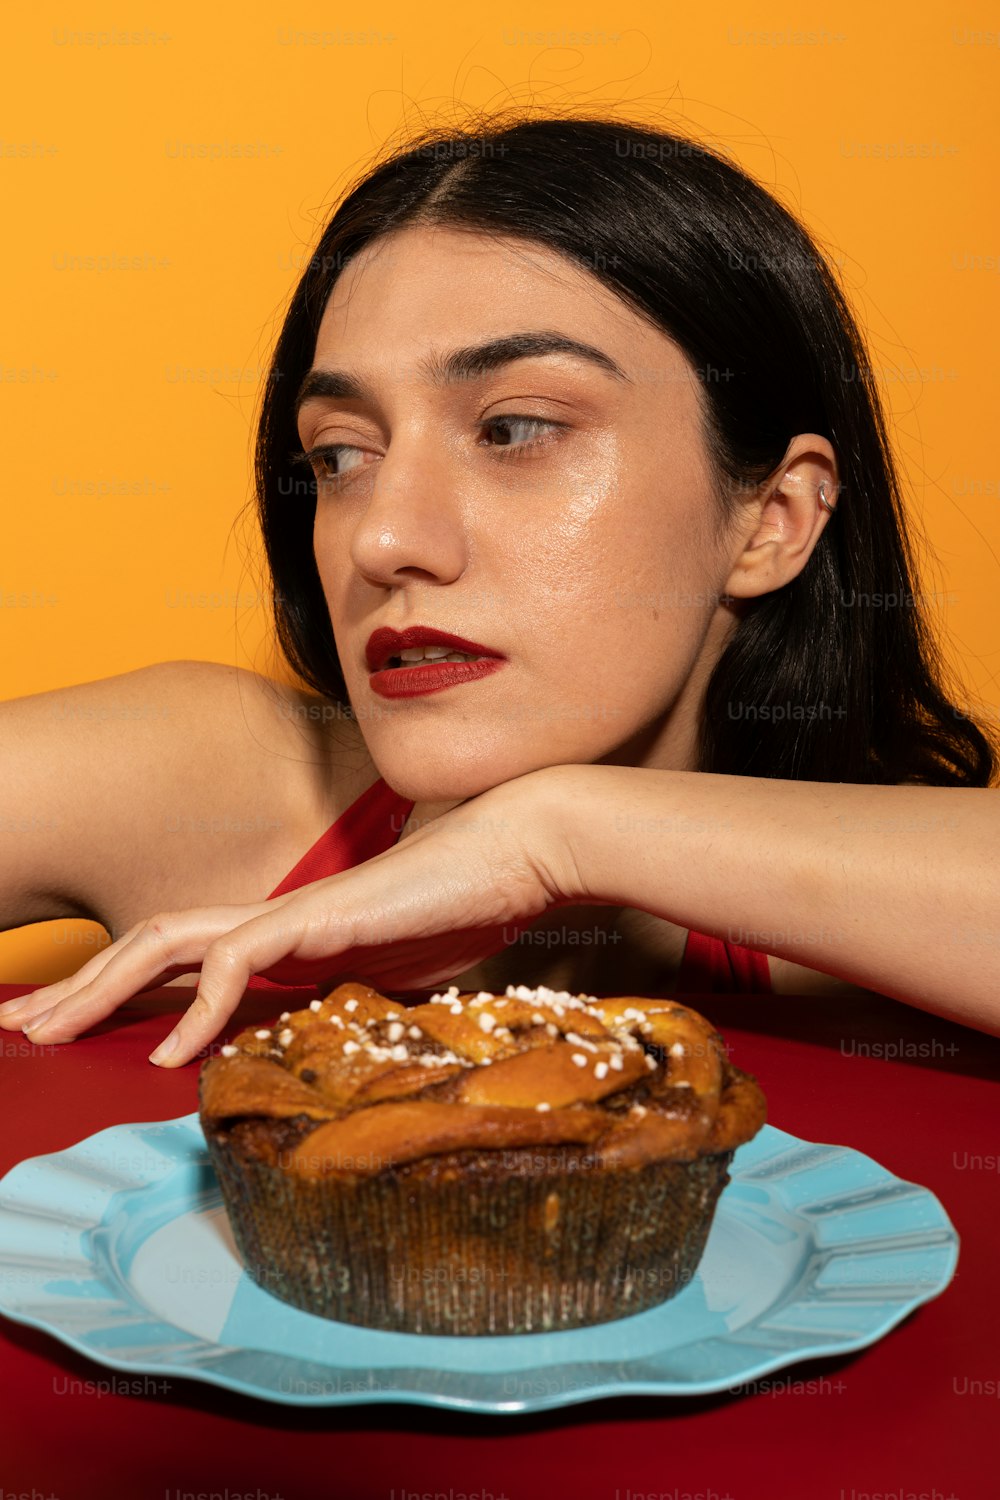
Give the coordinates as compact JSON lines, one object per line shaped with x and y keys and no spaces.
{"x":553,"y":508}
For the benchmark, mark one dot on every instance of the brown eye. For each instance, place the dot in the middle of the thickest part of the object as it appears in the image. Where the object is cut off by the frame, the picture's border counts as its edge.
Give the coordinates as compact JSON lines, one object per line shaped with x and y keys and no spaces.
{"x":321,"y":458}
{"x":507,"y":448}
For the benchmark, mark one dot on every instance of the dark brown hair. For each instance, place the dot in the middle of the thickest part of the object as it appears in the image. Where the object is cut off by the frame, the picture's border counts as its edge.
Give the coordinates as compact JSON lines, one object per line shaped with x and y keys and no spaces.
{"x":833,"y":677}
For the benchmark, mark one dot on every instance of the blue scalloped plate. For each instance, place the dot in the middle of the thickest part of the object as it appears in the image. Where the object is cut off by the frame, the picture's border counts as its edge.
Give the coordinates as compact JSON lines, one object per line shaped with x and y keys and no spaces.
{"x":120,"y":1247}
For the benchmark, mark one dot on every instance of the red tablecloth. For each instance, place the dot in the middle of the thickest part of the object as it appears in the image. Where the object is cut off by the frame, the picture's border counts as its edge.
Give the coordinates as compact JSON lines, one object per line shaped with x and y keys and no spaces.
{"x":906,"y":1419}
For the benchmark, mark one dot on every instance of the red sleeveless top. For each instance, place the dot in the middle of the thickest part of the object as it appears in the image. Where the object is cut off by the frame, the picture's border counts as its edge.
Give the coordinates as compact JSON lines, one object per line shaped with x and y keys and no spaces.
{"x":374,"y":823}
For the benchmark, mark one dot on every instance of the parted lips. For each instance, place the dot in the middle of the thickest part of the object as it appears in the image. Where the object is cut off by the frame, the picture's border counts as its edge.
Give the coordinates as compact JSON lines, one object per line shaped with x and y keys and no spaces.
{"x":635,"y":1079}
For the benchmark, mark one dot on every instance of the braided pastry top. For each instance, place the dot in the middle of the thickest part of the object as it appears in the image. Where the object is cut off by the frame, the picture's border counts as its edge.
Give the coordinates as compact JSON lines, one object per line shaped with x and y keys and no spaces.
{"x":635,"y":1079}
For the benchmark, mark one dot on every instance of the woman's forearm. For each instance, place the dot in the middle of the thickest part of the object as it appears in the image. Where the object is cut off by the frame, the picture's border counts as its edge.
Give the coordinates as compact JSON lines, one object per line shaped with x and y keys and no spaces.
{"x":894,"y":888}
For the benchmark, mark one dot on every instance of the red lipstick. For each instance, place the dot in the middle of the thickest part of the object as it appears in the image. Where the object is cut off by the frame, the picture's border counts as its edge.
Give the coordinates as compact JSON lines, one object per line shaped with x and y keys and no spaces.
{"x":410,"y":681}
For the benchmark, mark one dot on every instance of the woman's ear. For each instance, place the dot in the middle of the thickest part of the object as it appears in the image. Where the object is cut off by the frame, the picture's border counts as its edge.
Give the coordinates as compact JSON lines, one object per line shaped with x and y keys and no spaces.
{"x":785,"y":519}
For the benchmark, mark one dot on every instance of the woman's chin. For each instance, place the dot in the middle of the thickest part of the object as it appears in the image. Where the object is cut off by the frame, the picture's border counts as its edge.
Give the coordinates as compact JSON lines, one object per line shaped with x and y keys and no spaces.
{"x":446,"y":783}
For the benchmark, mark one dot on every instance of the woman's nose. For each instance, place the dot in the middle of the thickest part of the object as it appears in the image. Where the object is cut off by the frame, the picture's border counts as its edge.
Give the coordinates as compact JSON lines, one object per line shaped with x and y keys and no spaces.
{"x":414,"y":517}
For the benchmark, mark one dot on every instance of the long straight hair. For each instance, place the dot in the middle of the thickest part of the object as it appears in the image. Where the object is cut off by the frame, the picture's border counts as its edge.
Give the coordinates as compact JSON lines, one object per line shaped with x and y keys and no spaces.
{"x":836,"y":675}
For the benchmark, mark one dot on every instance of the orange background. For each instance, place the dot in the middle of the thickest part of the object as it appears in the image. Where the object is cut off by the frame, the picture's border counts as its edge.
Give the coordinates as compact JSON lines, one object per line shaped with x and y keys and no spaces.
{"x":166,"y":181}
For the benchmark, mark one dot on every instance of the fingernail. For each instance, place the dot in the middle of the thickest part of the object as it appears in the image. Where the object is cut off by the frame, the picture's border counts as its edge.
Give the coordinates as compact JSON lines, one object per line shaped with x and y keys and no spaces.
{"x":166,"y":1049}
{"x":37,"y":1021}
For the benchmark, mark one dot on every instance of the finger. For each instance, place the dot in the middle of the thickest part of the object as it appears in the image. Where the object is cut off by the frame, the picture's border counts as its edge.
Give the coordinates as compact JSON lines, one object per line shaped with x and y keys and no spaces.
{"x":200,"y":1023}
{"x":25,"y":1010}
{"x":163,"y":948}
{"x":14,"y":1013}
{"x":144,"y":958}
{"x":229,"y":962}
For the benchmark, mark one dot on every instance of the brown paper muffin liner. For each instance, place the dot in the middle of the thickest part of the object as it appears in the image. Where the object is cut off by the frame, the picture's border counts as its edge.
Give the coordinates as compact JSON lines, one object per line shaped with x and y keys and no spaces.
{"x":496,"y":1241}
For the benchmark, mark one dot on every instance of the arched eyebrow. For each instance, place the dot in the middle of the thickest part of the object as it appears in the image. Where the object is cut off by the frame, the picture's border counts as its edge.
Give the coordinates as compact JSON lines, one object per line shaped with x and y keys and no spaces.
{"x":462,"y":364}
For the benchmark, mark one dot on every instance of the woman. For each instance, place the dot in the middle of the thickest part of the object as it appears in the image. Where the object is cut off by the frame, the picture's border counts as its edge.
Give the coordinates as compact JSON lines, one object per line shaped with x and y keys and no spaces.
{"x":585,"y":398}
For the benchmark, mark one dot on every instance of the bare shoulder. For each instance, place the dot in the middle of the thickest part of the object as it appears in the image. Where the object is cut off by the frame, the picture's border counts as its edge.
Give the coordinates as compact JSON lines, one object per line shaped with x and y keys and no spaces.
{"x":305,"y":737}
{"x":215,"y":783}
{"x":266,"y":768}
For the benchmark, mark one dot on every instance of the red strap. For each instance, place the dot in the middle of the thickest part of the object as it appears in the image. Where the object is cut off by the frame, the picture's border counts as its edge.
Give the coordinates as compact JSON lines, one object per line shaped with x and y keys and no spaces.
{"x":709,"y":964}
{"x":369,"y":826}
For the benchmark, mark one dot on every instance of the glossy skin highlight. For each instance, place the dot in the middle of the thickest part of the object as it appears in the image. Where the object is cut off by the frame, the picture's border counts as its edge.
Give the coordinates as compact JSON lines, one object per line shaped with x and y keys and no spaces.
{"x":595,"y":564}
{"x":580,"y":540}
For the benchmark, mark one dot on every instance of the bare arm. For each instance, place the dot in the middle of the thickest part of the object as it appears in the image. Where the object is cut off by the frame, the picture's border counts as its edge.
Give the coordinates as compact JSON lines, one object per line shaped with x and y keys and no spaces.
{"x":71,"y":761}
{"x":177,"y":783}
{"x":745,"y":858}
{"x":894,"y":888}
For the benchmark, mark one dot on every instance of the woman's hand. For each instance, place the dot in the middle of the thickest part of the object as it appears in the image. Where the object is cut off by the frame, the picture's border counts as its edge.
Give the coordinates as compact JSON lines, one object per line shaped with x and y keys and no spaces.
{"x":454,"y":892}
